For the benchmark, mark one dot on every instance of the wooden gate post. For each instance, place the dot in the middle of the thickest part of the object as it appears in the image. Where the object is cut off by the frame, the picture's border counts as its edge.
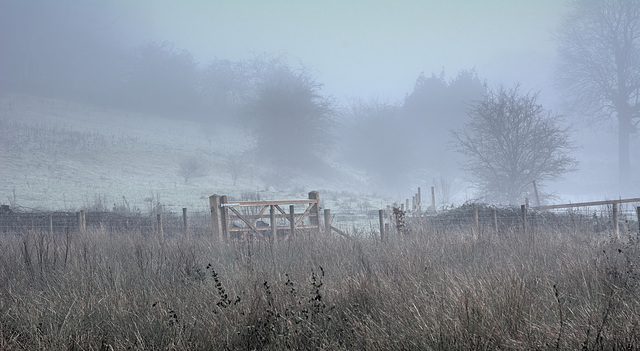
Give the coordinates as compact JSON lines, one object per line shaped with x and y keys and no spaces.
{"x":224,"y":218}
{"x":292,"y":220}
{"x":314,"y":213}
{"x":327,"y":222}
{"x":274,"y":224}
{"x":216,"y":220}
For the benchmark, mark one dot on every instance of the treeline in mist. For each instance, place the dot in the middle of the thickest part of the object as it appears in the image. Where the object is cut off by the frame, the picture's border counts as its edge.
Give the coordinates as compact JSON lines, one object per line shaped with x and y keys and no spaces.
{"x":84,"y":52}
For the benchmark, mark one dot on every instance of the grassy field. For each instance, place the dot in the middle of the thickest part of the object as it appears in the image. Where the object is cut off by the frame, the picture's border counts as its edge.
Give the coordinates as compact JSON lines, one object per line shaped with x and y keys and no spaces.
{"x":427,"y":291}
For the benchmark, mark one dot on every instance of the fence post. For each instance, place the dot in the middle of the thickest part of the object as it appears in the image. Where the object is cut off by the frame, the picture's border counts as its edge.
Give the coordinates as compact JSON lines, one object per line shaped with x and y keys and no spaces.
{"x":327,"y":222}
{"x":50,"y":224}
{"x":495,"y":219}
{"x":292,"y":219}
{"x":159,"y":224}
{"x":381,"y":217}
{"x":84,"y":220}
{"x":523,"y":210}
{"x":638,"y":215}
{"x":184,"y":221}
{"x":274,"y":224}
{"x":616,"y":230}
{"x":433,"y":199}
{"x":314,"y":214}
{"x":224,"y":218}
{"x":216,"y":223}
{"x":476,"y":222}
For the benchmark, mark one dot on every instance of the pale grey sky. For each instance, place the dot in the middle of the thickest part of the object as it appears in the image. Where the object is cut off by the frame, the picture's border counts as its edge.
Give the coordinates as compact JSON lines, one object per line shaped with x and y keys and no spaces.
{"x":366,"y":48}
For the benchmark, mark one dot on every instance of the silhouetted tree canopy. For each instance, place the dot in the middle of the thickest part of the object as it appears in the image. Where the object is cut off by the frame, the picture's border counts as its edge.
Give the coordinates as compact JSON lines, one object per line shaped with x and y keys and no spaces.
{"x":367,"y":136}
{"x":511,"y":141}
{"x":290,"y":117}
{"x":435,"y":107}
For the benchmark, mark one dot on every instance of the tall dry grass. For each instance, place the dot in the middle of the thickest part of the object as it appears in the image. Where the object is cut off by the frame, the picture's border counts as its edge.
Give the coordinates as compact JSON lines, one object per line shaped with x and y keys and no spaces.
{"x":429,"y":290}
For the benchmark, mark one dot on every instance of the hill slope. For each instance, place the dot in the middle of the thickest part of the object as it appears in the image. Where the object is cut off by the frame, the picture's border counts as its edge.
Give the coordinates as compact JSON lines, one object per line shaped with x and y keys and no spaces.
{"x":65,"y":156}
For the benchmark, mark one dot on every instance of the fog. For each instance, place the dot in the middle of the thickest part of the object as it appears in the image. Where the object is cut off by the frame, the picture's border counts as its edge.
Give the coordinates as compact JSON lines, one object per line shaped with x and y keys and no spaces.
{"x":364,"y":48}
{"x":361,"y":64}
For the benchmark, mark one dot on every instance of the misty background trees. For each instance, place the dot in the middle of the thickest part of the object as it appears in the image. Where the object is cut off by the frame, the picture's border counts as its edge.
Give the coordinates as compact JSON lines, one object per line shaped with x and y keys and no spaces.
{"x":510,"y":142}
{"x":81,"y":51}
{"x":290,"y":118}
{"x":599,"y":67}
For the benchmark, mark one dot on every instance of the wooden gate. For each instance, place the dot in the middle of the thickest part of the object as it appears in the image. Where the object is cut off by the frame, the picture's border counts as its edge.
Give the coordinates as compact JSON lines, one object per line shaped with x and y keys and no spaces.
{"x":229,"y":221}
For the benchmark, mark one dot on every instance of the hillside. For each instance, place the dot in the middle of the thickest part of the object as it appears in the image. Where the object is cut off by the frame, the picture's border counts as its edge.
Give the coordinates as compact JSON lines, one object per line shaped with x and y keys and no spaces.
{"x":60,"y":155}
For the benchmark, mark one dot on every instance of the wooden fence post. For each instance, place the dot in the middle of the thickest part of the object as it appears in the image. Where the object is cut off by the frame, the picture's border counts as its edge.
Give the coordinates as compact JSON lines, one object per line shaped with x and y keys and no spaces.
{"x":216,"y":222}
{"x":523,"y":210}
{"x":184,"y":221}
{"x":327,"y":222}
{"x":82,"y":223}
{"x":50,"y":224}
{"x":616,"y":229}
{"x":292,"y":219}
{"x":382,"y":233}
{"x":224,"y":218}
{"x":314,"y":214}
{"x":638,"y":215}
{"x":495,"y":219}
{"x":476,"y":222}
{"x":433,"y":199}
{"x":159,"y":225}
{"x":274,"y":224}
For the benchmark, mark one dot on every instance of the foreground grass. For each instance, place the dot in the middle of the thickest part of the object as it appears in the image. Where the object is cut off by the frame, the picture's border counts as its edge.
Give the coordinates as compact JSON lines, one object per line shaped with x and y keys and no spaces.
{"x":427,"y":291}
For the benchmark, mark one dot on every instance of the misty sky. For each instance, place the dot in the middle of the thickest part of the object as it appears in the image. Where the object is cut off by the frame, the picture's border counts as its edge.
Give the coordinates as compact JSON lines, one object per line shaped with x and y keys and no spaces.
{"x":365,"y":48}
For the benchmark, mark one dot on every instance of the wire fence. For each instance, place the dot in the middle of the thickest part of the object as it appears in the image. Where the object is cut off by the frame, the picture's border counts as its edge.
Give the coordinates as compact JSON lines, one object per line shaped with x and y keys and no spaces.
{"x":169,"y":223}
{"x":482,"y":218}
{"x":479,"y":219}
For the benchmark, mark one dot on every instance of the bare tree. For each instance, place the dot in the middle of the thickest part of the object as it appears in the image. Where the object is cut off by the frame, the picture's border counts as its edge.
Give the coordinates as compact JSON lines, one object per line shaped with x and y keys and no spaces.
{"x":190,"y":168}
{"x":509,"y":142}
{"x":599,"y":66}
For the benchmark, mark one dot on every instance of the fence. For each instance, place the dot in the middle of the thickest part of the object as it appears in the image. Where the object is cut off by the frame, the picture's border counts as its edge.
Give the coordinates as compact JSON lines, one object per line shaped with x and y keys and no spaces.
{"x":613,"y":217}
{"x":270,"y":220}
{"x":71,"y":222}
